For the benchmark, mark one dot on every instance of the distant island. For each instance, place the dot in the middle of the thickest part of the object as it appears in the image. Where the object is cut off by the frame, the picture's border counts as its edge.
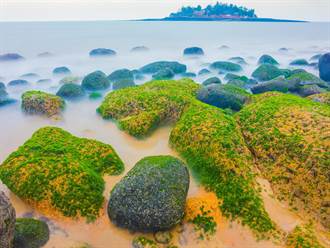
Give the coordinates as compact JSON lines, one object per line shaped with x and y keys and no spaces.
{"x":217,"y":12}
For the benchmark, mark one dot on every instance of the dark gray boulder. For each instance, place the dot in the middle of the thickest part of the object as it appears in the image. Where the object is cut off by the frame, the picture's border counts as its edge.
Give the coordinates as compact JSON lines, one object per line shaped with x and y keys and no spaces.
{"x":96,"y":80}
{"x":308,"y":90}
{"x":101,"y":52}
{"x":324,"y":67}
{"x":152,"y":196}
{"x":193,"y":51}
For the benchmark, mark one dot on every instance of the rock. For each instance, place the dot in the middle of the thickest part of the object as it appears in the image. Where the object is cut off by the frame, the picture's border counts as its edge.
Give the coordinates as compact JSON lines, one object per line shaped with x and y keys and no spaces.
{"x":163,"y":74}
{"x":223,"y":96}
{"x":203,"y":72}
{"x":324,"y":67}
{"x":152,"y":196}
{"x":95,"y":95}
{"x":224,"y":47}
{"x":4,"y":98}
{"x":101,"y":52}
{"x":45,"y":55}
{"x":242,"y":83}
{"x":18,"y":82}
{"x":154,"y":67}
{"x":2,"y":86}
{"x":322,"y":98}
{"x":10,"y":57}
{"x":299,"y":62}
{"x":316,"y":57}
{"x":122,"y":83}
{"x":139,"y":49}
{"x":188,"y":75}
{"x":268,"y":72}
{"x":38,"y":102}
{"x":212,"y":80}
{"x":195,"y":51}
{"x":29,"y":76}
{"x":143,"y":242}
{"x":231,"y":76}
{"x":308,"y":90}
{"x":44,"y":80}
{"x":238,"y":60}
{"x":267,"y":59}
{"x":306,"y":78}
{"x":70,"y":80}
{"x":7,"y":221}
{"x":30,"y":233}
{"x":96,"y":80}
{"x":226,"y":66}
{"x":163,"y":237}
{"x":74,"y":185}
{"x":121,"y":75}
{"x":63,"y":70}
{"x":277,"y":84}
{"x":70,"y":91}
{"x":283,"y":49}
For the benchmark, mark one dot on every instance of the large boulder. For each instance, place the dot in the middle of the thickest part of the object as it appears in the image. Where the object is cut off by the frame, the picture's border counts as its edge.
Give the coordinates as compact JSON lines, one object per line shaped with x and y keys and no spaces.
{"x":306,"y":78}
{"x":96,"y":80}
{"x":223,"y":96}
{"x":38,"y":102}
{"x":120,"y":75}
{"x":324,"y":67}
{"x":123,"y":83}
{"x":101,"y":52}
{"x":266,"y":72}
{"x":308,"y":90}
{"x":61,"y":173}
{"x":152,"y":196}
{"x":7,"y":221}
{"x":299,"y":62}
{"x":193,"y":51}
{"x":267,"y":59}
{"x":62,"y":70}
{"x":225,"y":66}
{"x":212,"y":80}
{"x":232,"y":76}
{"x":277,"y":84}
{"x":154,"y":67}
{"x":164,"y":74}
{"x":70,"y":91}
{"x":18,"y":82}
{"x":30,"y":233}
{"x":10,"y":57}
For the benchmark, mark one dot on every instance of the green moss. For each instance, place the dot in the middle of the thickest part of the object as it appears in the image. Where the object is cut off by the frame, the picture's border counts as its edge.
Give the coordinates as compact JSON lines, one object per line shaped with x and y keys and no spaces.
{"x":226,"y":66}
{"x":56,"y":170}
{"x":143,"y":242}
{"x":303,"y":237}
{"x":95,"y":95}
{"x":289,"y":137}
{"x":322,"y":98}
{"x":205,"y":223}
{"x":30,"y":233}
{"x":38,"y":102}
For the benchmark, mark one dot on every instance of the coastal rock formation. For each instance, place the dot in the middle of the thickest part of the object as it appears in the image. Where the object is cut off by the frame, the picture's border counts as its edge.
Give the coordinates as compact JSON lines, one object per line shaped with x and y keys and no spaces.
{"x":154,"y":67}
{"x":38,"y":102}
{"x":121,"y":74}
{"x":204,"y":72}
{"x":10,"y":57}
{"x":96,"y":80}
{"x":30,"y":233}
{"x":193,"y":51}
{"x":70,"y":91}
{"x":267,"y":59}
{"x":102,"y":52}
{"x":7,"y":222}
{"x":122,"y":83}
{"x":266,"y":72}
{"x":238,"y":60}
{"x":18,"y":82}
{"x":212,"y":80}
{"x":226,"y":66}
{"x":223,"y":96}
{"x":4,"y":97}
{"x":62,"y":70}
{"x":152,"y":196}
{"x":163,"y":74}
{"x":299,"y":62}
{"x":57,"y":171}
{"x":324,"y":67}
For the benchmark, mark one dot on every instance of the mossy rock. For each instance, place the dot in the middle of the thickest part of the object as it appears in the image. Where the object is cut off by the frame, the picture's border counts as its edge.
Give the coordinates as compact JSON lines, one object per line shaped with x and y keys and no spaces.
{"x":18,"y":82}
{"x":143,"y":242}
{"x":70,"y":91}
{"x":193,"y":51}
{"x":289,"y":137}
{"x":121,"y":74}
{"x":152,"y":196}
{"x":30,"y":233}
{"x":308,"y":90}
{"x":95,"y":95}
{"x":242,"y":83}
{"x":223,"y":96}
{"x":238,"y":60}
{"x":266,"y":72}
{"x":38,"y":102}
{"x":299,"y":62}
{"x":302,"y":78}
{"x":141,"y":109}
{"x":163,"y":74}
{"x":123,"y":83}
{"x":62,"y":70}
{"x":267,"y":59}
{"x":4,"y":97}
{"x":96,"y":80}
{"x":58,"y":171}
{"x":154,"y":67}
{"x":2,"y":86}
{"x":226,"y":66}
{"x":303,"y":237}
{"x":322,"y":98}
{"x":204,"y":72}
{"x":279,"y":84}
{"x":212,"y":80}
{"x":324,"y":67}
{"x":188,"y":75}
{"x":70,"y":80}
{"x":232,"y":76}
{"x":101,"y":52}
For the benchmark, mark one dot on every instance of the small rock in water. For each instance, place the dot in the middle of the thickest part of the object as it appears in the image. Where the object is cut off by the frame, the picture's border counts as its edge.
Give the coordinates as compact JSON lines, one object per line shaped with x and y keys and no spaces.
{"x":10,"y":57}
{"x":163,"y":237}
{"x":140,"y":49}
{"x":62,"y":70}
{"x":102,"y":52}
{"x":195,"y":51}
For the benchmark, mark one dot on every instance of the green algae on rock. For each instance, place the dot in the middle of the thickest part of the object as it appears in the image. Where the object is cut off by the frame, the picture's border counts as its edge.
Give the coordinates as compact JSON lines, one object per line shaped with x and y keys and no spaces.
{"x":96,"y":80}
{"x":289,"y":137}
{"x":55,"y":170}
{"x":303,"y":237}
{"x":226,"y":66}
{"x":154,"y":67}
{"x":322,"y":97}
{"x":267,"y":59}
{"x":70,"y":91}
{"x":141,"y":109}
{"x":38,"y":102}
{"x":143,"y":242}
{"x":212,"y":80}
{"x":266,"y":72}
{"x":152,"y":196}
{"x":30,"y":233}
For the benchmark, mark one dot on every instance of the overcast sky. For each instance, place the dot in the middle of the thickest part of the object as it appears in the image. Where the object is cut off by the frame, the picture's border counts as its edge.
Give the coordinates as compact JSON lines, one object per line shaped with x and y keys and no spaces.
{"x":44,"y":10}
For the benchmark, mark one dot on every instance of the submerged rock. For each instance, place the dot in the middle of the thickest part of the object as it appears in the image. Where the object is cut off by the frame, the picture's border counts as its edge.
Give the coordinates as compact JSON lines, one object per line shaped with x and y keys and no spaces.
{"x":140,"y":49}
{"x":299,"y":62}
{"x":204,"y":72}
{"x":316,"y":57}
{"x":121,"y":74}
{"x":267,"y":59}
{"x":70,"y":91}
{"x":30,"y":76}
{"x":70,"y":80}
{"x":223,"y":96}
{"x":38,"y":102}
{"x":100,"y":52}
{"x":152,"y":196}
{"x":212,"y":80}
{"x":44,"y":80}
{"x":18,"y":82}
{"x":11,"y":57}
{"x":4,"y":97}
{"x":62,"y":70}
{"x":226,"y":66}
{"x":45,"y":55}
{"x":268,"y":72}
{"x":122,"y":83}
{"x":238,"y":60}
{"x":30,"y":233}
{"x":188,"y":75}
{"x":193,"y":51}
{"x":163,"y":74}
{"x":96,"y":80}
{"x":154,"y":67}
{"x":60,"y":172}
{"x":324,"y":67}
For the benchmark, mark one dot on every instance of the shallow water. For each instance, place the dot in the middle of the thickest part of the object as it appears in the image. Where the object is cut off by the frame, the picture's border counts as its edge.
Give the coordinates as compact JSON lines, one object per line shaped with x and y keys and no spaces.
{"x":70,"y":43}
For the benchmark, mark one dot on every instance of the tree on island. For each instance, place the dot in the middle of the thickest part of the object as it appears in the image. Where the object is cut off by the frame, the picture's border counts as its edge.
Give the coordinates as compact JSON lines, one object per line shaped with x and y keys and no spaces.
{"x":219,"y":10}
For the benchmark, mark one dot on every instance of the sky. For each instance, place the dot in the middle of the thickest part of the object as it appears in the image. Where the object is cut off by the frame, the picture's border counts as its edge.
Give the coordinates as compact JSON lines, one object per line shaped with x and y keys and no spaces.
{"x":54,"y":10}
